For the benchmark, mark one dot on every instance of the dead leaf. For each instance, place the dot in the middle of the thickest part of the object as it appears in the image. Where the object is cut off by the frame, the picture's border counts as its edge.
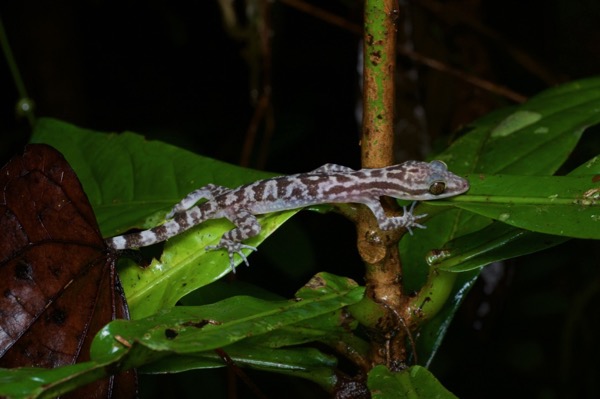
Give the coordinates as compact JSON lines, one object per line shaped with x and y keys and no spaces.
{"x":58,"y":282}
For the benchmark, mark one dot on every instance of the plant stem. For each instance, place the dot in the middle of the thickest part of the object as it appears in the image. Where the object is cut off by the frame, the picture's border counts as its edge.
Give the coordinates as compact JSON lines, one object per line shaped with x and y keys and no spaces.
{"x":380,"y":249}
{"x":379,"y":66}
{"x":431,"y":297}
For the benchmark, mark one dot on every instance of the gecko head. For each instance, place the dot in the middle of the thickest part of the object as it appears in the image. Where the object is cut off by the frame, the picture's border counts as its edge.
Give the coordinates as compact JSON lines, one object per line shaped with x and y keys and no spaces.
{"x":426,"y":181}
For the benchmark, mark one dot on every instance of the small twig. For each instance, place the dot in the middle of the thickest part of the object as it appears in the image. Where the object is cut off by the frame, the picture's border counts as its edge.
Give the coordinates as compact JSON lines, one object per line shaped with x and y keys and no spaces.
{"x":469,"y":78}
{"x":416,"y":57}
{"x":240,"y":373}
{"x":324,"y":15}
{"x":408,"y":332}
{"x":448,"y":12}
{"x":263,"y":110}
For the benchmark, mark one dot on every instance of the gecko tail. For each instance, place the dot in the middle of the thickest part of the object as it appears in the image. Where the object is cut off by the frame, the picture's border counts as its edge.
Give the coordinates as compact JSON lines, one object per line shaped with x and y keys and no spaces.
{"x":151,"y":236}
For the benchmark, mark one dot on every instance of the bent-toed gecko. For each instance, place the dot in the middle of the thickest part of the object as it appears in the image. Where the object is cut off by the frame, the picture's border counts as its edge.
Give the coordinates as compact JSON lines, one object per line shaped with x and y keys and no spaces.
{"x":412,"y":180}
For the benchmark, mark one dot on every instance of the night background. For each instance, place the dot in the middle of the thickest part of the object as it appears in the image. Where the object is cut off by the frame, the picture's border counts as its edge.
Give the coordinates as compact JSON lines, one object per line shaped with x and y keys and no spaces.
{"x":176,"y":72}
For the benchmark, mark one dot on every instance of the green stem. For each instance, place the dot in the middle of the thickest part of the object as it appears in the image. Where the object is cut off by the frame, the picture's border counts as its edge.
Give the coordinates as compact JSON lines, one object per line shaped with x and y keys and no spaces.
{"x":432,"y":296}
{"x":25,"y":104}
{"x":367,"y":312}
{"x":379,"y":66}
{"x":379,"y":250}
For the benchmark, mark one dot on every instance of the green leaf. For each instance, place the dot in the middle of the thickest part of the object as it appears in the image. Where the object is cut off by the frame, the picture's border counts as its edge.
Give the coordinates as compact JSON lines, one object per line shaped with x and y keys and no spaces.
{"x":200,"y":328}
{"x":560,"y":205}
{"x":47,"y":383}
{"x":51,"y":383}
{"x":413,"y":383}
{"x":324,"y":327}
{"x":534,"y":138}
{"x":132,"y":182}
{"x":185,"y":265}
{"x":494,"y":243}
{"x":248,"y":329}
{"x":499,"y":241}
{"x":307,"y":363}
{"x":325,"y":284}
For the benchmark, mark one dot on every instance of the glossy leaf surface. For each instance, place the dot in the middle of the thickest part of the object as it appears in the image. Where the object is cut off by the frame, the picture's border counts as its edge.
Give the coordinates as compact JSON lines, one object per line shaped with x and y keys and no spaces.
{"x":200,"y":328}
{"x":561,"y":205}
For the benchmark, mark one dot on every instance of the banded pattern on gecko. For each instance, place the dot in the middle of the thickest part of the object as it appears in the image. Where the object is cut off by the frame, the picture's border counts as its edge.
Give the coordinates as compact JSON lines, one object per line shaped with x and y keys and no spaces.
{"x":330,"y":183}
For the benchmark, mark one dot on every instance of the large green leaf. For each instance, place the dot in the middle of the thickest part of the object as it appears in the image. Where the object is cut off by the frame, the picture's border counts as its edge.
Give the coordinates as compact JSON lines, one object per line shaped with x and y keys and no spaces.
{"x":534,"y":138}
{"x":318,"y":316}
{"x":531,"y":139}
{"x":561,"y":205}
{"x":574,"y":212}
{"x":185,"y":265}
{"x":513,"y":140}
{"x":132,"y":182}
{"x":200,"y":328}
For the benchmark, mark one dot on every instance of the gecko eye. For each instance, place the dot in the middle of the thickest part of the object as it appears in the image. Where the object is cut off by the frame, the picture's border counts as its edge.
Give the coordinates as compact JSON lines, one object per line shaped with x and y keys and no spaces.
{"x":437,"y":187}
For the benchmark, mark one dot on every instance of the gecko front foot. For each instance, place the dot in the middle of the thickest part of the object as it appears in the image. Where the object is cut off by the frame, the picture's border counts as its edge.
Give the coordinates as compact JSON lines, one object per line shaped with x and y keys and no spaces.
{"x":232,"y":248}
{"x":408,"y":220}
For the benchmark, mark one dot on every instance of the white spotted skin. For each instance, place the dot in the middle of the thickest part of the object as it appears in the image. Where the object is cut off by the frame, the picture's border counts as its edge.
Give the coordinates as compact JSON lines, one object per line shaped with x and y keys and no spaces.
{"x":411,"y":180}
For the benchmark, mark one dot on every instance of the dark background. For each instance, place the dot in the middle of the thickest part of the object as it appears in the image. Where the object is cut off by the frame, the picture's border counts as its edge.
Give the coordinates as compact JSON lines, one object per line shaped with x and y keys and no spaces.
{"x":171,"y":71}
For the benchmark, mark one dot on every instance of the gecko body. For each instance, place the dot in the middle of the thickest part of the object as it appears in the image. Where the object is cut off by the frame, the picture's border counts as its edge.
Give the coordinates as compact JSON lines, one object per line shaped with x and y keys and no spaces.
{"x":331,"y":183}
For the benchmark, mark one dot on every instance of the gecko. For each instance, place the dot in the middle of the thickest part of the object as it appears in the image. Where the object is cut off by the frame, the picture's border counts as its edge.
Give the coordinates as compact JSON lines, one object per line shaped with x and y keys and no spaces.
{"x":330,"y":183}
